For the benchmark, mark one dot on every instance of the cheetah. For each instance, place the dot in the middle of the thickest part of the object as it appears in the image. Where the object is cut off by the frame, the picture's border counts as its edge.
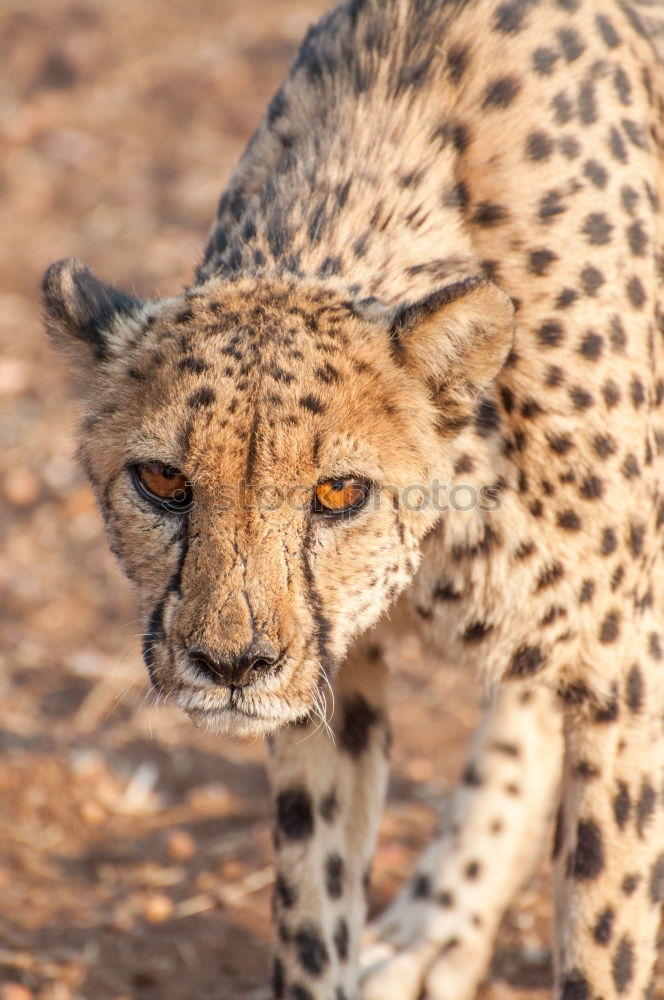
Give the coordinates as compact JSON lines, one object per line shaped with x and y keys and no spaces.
{"x":419,"y":368}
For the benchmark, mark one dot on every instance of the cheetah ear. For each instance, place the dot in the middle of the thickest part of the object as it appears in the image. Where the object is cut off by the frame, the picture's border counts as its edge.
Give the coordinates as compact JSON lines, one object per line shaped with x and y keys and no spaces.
{"x":84,"y":316}
{"x":457,"y":339}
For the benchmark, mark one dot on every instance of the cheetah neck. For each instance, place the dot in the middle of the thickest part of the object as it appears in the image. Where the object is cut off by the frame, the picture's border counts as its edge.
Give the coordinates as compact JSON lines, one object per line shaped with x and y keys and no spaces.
{"x":351,"y":178}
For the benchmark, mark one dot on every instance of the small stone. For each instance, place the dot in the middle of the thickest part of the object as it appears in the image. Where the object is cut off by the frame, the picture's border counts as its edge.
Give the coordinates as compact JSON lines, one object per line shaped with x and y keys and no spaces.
{"x":92,"y":813}
{"x":157,"y":907}
{"x":15,"y":991}
{"x":21,"y":487}
{"x":180,"y":845}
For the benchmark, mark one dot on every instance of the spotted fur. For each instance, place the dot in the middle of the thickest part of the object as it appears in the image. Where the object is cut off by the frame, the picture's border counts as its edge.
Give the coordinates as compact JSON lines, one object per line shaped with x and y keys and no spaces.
{"x":437,"y":266}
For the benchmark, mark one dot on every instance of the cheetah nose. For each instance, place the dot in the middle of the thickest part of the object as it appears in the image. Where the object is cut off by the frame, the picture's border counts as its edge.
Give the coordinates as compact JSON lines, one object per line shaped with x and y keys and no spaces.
{"x":237,"y":670}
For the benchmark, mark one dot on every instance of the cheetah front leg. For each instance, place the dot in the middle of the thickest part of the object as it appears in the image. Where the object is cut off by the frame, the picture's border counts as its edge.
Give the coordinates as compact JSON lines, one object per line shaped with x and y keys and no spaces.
{"x":609,"y":867}
{"x":328,"y":783}
{"x":436,"y":940}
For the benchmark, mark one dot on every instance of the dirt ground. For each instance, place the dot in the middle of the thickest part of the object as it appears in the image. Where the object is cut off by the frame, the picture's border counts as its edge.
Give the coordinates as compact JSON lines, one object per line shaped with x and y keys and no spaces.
{"x":134,"y":850}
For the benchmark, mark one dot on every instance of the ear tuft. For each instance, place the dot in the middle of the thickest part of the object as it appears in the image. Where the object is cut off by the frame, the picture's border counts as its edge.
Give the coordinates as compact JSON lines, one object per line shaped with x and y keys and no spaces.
{"x":80,"y":307}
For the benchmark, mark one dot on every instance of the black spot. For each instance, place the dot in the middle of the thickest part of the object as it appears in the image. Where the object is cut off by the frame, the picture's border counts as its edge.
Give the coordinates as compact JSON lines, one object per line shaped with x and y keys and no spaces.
{"x":569,"y":520}
{"x":334,"y":875}
{"x":591,"y":280}
{"x":329,"y":267}
{"x":588,"y":860}
{"x":645,"y":807}
{"x":471,"y":776}
{"x":549,"y":575}
{"x":487,"y":417}
{"x":571,"y":44}
{"x":637,"y":238}
{"x":550,"y":333}
{"x":591,"y":345}
{"x":610,"y":36}
{"x":563,"y":109}
{"x":591,"y":488}
{"x":604,"y":926}
{"x":636,"y":533}
{"x":526,"y":661}
{"x":596,"y":173}
{"x":550,"y":206}
{"x":611,"y":394}
{"x":654,"y":646}
{"x":586,"y":771}
{"x":286,"y":894}
{"x":617,"y":145}
{"x":539,"y":261}
{"x":618,"y":335}
{"x":597,"y":228}
{"x":636,"y":292}
{"x":421,"y":887}
{"x":630,"y":884}
{"x":445,"y":899}
{"x":295,"y":819}
{"x":456,"y":196}
{"x":607,"y":711}
{"x":312,"y":403}
{"x":587,"y":591}
{"x":622,"y":805}
{"x":574,"y":694}
{"x":299,"y":992}
{"x":311,"y":951}
{"x":195,"y":365}
{"x":205,"y":396}
{"x":501,"y":92}
{"x":634,"y":695}
{"x":539,"y":146}
{"x":460,"y":137}
{"x":509,"y":16}
{"x":476,"y":631}
{"x":570,"y":147}
{"x":630,"y":466}
{"x":359,"y":717}
{"x":544,"y":60}
{"x":657,"y":880}
{"x":558,"y":833}
{"x":574,"y":986}
{"x":341,"y":939}
{"x":623,"y":964}
{"x":328,"y":373}
{"x":278,"y":980}
{"x":489,"y":214}
{"x":472,"y":870}
{"x":329,"y":807}
{"x":610,"y":628}
{"x":604,"y":445}
{"x":457,"y":61}
{"x":554,"y":376}
{"x":508,"y":749}
{"x":580,"y":397}
{"x":624,"y":92}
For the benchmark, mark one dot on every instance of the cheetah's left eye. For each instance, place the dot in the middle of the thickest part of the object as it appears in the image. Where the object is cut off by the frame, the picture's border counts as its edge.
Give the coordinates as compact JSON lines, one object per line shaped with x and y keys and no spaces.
{"x":339,"y":497}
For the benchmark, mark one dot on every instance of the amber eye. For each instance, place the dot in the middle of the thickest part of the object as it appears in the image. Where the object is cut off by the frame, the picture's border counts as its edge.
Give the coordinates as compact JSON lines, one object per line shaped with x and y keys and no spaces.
{"x":340,"y":496}
{"x":162,"y":485}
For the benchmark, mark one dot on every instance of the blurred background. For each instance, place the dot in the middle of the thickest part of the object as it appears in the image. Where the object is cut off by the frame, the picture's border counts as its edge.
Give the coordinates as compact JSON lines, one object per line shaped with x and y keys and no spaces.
{"x":134,"y":850}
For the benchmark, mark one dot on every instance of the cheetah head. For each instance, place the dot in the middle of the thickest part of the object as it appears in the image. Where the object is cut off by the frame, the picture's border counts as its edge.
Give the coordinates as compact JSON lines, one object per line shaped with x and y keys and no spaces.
{"x":256,"y":449}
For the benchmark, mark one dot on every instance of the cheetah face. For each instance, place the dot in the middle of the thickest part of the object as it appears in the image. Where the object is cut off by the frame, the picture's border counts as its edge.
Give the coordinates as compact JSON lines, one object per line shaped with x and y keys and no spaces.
{"x":252,"y":446}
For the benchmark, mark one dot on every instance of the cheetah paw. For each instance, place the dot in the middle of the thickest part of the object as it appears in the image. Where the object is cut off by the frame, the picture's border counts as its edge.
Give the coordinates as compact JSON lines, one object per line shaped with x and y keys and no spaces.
{"x":422,"y":969}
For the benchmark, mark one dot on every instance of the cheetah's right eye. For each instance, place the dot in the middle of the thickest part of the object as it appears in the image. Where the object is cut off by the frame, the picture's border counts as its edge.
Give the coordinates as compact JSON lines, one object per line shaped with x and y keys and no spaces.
{"x":162,"y":485}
